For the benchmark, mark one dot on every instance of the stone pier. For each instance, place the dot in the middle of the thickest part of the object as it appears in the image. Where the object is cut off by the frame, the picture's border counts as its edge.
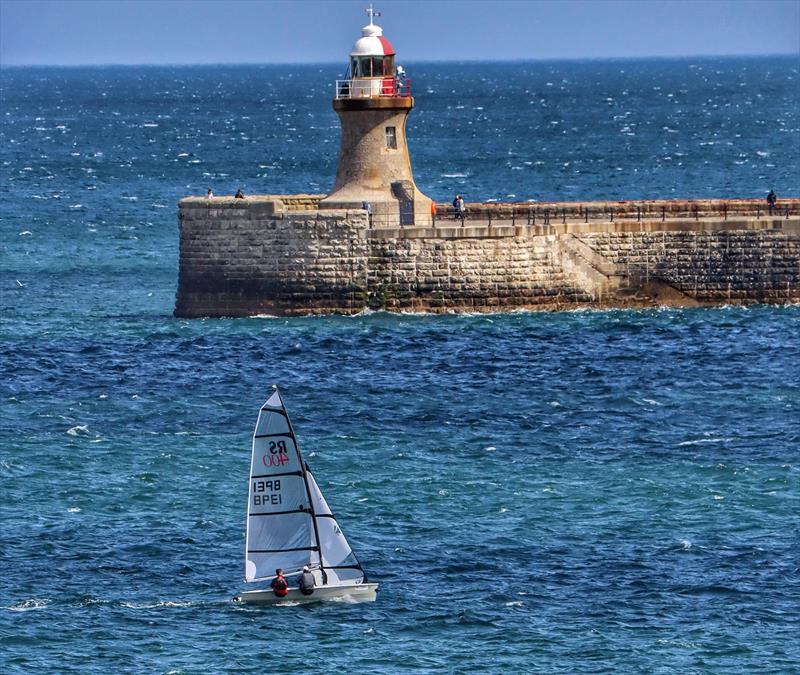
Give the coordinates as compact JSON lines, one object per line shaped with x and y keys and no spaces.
{"x":281,"y":255}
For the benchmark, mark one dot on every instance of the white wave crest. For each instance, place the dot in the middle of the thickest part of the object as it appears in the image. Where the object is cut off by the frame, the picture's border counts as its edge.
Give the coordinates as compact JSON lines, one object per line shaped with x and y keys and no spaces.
{"x":28,"y":605}
{"x":700,"y":441}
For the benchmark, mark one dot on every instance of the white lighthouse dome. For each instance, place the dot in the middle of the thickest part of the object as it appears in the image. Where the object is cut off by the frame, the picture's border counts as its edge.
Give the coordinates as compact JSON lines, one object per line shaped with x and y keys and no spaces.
{"x":372,"y":43}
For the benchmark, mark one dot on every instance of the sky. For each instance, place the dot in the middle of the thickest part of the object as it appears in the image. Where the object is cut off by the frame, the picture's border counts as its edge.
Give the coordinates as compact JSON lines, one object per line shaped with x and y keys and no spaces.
{"x":74,"y":32}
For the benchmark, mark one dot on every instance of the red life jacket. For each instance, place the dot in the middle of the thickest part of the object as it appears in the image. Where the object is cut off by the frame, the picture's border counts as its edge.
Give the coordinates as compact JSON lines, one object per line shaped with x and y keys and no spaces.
{"x":280,"y":587}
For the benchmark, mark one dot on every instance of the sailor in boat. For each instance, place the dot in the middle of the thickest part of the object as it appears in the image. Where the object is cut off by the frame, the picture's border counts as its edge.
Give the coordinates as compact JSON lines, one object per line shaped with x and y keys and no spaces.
{"x":306,"y":582}
{"x":279,"y":584}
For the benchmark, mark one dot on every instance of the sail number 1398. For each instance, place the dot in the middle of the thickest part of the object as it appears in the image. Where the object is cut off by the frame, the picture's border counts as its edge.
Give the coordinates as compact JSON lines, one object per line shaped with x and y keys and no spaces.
{"x":260,"y":487}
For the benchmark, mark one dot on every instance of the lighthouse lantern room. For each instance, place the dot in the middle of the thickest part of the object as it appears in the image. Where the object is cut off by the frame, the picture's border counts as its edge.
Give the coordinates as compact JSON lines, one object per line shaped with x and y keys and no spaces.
{"x":373,"y":102}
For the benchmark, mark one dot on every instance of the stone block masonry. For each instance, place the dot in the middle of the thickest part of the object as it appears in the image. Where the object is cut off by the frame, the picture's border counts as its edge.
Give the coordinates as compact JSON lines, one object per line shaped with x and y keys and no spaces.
{"x":280,"y":255}
{"x":718,"y":267}
{"x":245,"y":257}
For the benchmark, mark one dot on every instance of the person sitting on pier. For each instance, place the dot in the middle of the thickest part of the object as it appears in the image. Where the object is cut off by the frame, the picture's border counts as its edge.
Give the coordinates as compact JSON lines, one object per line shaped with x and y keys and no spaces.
{"x":239,"y":194}
{"x":772,"y":198}
{"x":280,"y":586}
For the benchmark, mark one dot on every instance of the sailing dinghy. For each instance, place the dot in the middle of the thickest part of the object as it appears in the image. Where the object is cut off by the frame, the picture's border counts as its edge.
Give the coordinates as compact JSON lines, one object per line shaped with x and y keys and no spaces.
{"x":289,"y":523}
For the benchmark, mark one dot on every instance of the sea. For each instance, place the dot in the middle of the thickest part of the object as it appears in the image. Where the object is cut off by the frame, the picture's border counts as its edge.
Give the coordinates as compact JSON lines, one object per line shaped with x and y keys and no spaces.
{"x":573,"y":492}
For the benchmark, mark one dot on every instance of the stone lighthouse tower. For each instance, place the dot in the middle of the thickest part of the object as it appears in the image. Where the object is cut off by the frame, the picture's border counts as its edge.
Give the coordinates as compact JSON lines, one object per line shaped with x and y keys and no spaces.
{"x":373,"y":103}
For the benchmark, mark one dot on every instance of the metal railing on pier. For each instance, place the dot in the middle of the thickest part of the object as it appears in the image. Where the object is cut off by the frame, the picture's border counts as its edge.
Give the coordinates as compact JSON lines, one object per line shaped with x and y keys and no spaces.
{"x":490,"y":215}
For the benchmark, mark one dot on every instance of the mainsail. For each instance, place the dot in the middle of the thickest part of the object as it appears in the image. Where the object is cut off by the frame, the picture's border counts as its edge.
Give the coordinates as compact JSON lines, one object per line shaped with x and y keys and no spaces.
{"x":289,"y":523}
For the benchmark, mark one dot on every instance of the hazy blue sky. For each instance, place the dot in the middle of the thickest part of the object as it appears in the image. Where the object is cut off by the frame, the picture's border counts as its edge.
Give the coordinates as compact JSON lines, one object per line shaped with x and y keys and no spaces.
{"x":69,"y":32}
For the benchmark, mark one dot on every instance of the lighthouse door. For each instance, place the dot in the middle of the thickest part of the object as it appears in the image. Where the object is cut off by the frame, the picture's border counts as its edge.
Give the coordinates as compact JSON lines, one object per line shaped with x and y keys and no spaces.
{"x":403,"y":191}
{"x":406,"y":212}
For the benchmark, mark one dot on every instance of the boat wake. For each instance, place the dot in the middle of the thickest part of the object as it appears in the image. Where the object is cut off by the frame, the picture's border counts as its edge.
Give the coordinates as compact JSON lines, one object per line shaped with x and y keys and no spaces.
{"x":156,"y":605}
{"x":345,"y":600}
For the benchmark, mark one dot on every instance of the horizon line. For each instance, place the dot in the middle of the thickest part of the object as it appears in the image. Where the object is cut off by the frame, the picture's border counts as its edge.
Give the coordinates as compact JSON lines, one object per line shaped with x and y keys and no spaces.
{"x":643,"y":57}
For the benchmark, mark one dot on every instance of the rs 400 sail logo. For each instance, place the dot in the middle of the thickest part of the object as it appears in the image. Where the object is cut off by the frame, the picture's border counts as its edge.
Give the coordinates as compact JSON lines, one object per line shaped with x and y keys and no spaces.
{"x":277,"y":455}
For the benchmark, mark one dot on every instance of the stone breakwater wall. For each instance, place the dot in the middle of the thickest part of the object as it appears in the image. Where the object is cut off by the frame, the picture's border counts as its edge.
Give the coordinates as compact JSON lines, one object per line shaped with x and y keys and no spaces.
{"x":279,"y":255}
{"x":713,"y":267}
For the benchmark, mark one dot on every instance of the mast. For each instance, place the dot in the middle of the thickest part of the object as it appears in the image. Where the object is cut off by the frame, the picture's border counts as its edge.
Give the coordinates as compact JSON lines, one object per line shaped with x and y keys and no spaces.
{"x":304,"y":469}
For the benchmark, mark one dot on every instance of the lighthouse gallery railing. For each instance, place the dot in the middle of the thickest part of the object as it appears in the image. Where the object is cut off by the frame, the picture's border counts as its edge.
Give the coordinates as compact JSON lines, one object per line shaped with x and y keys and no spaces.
{"x":386,"y":87}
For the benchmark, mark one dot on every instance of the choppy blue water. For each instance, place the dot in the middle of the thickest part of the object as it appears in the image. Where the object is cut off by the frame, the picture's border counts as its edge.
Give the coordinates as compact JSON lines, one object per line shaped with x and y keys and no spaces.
{"x":577,"y":492}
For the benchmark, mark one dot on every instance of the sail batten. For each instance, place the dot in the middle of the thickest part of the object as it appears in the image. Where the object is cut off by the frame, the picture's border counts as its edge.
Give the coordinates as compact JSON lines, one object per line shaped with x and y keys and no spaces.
{"x":277,"y":475}
{"x":284,"y":550}
{"x":276,"y":513}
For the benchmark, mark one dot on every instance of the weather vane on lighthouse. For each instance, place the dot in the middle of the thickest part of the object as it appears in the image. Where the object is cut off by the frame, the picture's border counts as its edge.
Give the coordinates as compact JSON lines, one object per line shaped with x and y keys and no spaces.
{"x":371,"y":13}
{"x":373,"y":102}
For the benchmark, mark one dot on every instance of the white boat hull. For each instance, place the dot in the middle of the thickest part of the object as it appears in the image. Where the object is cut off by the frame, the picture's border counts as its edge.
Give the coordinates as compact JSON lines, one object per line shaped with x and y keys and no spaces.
{"x":344,"y":592}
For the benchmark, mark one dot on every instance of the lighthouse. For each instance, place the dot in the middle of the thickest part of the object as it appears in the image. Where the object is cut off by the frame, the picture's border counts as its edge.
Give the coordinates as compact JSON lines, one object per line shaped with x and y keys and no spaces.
{"x":373,"y":102}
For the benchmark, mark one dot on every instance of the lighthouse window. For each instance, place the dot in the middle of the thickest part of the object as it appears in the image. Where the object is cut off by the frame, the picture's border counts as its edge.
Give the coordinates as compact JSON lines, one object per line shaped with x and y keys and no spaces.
{"x":391,"y":137}
{"x":371,"y":66}
{"x":360,"y":66}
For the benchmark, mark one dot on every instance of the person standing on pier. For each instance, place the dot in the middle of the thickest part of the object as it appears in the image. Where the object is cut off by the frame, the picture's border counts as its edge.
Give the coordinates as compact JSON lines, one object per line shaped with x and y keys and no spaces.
{"x":772,"y":198}
{"x":367,"y":206}
{"x":401,"y":82}
{"x":458,"y":208}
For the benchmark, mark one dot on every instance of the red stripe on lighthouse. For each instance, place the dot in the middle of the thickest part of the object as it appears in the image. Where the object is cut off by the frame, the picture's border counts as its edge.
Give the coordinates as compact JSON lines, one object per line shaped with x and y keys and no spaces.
{"x":388,"y":50}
